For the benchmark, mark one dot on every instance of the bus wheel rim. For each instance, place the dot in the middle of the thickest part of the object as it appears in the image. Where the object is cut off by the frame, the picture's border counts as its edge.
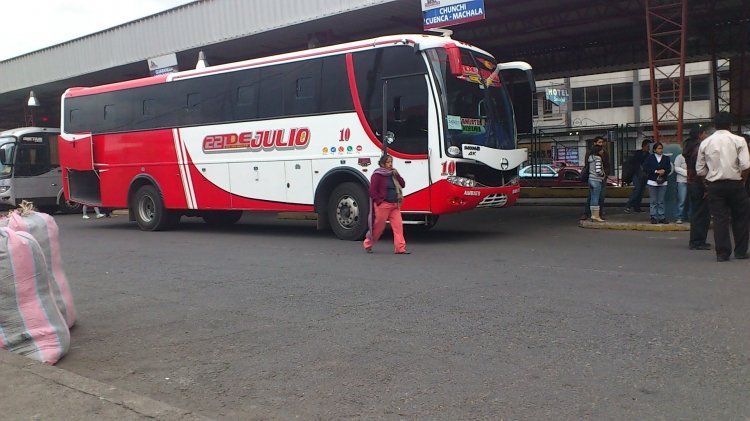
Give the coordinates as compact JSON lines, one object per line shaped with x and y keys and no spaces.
{"x":347,"y":212}
{"x":146,"y":209}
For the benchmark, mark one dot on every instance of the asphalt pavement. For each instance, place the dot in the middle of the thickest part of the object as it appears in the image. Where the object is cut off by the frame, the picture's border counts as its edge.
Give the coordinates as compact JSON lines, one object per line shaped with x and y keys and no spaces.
{"x":30,"y":390}
{"x":496,"y":314}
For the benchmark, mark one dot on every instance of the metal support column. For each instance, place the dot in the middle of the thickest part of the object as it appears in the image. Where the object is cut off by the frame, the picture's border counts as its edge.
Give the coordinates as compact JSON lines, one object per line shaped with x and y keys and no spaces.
{"x":666,"y":24}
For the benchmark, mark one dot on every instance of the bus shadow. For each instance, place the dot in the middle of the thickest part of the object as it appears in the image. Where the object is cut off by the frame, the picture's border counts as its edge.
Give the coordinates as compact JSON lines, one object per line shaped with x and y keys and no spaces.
{"x":272,"y":226}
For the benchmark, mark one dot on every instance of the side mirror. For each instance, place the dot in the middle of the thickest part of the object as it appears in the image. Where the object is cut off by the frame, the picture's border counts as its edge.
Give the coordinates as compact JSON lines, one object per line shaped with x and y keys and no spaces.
{"x":389,"y":137}
{"x":454,"y":59}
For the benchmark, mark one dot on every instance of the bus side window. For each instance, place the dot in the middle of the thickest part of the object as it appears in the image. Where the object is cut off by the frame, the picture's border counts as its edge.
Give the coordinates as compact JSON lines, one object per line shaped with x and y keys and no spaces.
{"x":271,"y":93}
{"x":54,"y":156}
{"x":302,"y":87}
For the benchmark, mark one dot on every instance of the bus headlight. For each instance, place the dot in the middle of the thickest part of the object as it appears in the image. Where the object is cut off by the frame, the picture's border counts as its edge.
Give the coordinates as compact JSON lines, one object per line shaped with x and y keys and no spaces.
{"x":513,"y":181}
{"x":3,"y":189}
{"x":462,"y":181}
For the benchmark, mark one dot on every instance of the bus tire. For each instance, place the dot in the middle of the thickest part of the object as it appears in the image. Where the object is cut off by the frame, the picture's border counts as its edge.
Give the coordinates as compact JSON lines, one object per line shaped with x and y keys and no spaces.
{"x":221,"y":218}
{"x":68,"y":207}
{"x":348,"y":210}
{"x":149,"y":210}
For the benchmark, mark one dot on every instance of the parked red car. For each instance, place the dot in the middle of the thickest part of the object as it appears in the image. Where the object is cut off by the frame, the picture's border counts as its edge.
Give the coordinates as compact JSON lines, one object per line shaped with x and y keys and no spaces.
{"x":566,"y":177}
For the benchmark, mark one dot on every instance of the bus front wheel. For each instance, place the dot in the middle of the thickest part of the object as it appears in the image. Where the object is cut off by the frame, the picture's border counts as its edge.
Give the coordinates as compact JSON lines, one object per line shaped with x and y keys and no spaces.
{"x":149,"y":210}
{"x":348,"y":210}
{"x":66,"y":206}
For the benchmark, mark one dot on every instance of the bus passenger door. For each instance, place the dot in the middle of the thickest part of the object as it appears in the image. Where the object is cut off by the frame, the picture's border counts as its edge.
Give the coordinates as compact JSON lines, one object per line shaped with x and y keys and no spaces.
{"x":299,"y":182}
{"x":36,"y":172}
{"x":409,"y":114}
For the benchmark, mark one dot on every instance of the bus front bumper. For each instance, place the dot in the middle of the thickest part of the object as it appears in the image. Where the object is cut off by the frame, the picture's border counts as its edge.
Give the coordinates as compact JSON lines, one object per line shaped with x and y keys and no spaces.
{"x":450,"y":198}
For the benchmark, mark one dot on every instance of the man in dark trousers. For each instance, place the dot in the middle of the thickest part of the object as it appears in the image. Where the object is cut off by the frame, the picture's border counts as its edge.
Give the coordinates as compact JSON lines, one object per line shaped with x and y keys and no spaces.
{"x":723,"y":159}
{"x":700,"y":218}
{"x":635,"y":165}
{"x":599,"y":140}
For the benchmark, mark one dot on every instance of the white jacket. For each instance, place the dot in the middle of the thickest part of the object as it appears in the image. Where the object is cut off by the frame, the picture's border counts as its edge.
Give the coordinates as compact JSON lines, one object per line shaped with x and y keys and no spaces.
{"x":680,"y":167}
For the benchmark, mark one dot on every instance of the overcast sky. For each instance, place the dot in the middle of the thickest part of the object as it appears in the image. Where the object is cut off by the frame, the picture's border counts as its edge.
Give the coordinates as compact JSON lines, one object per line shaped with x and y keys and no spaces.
{"x":30,"y":25}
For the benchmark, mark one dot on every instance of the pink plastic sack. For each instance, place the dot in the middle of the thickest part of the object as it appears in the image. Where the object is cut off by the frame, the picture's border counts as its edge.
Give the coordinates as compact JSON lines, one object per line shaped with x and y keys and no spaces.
{"x":44,"y":229}
{"x":30,"y":322}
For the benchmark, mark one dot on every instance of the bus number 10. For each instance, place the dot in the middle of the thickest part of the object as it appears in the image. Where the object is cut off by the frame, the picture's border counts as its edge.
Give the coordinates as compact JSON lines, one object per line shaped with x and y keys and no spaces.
{"x":345,"y":134}
{"x":449,"y":168}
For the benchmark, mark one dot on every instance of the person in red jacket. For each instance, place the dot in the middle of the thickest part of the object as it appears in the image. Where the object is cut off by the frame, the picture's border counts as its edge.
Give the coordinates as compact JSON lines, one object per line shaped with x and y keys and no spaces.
{"x":385,"y":205}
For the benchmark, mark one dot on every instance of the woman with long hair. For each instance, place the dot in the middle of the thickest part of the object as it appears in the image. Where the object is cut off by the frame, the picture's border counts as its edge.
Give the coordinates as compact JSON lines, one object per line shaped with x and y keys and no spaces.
{"x":596,"y":178}
{"x":386,"y":194}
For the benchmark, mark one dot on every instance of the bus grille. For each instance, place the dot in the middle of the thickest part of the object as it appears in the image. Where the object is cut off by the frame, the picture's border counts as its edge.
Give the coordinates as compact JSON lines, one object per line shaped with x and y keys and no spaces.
{"x":494,"y":201}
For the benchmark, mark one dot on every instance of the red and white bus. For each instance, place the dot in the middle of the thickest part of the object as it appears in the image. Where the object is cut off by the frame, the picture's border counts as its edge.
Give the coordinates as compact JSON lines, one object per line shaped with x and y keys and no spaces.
{"x":302,"y":132}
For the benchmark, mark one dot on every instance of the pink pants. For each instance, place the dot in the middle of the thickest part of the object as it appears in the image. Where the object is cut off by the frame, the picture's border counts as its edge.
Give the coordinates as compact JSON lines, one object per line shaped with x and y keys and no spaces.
{"x":387,"y":211}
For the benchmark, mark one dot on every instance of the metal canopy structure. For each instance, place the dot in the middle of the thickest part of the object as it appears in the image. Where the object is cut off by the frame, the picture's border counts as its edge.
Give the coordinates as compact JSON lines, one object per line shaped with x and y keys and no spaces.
{"x":666,"y":27}
{"x":570,"y":38}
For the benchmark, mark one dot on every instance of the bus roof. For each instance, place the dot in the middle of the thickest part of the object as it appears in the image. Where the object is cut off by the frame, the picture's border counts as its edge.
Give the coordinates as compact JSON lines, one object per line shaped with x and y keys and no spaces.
{"x":20,"y":131}
{"x":419,"y":41}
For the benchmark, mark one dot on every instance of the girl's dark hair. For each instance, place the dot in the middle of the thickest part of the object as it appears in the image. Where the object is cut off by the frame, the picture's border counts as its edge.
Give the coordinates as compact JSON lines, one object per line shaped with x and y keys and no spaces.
{"x":383,"y":158}
{"x":596,"y":150}
{"x":656,"y":145}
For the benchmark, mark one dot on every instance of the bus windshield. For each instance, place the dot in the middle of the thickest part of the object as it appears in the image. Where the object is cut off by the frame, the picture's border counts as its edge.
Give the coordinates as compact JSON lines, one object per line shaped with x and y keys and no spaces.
{"x":7,"y":147}
{"x":478,"y":108}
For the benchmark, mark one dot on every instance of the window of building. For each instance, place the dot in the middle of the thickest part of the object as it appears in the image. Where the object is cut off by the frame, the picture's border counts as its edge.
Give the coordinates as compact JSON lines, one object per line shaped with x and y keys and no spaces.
{"x":667,"y":90}
{"x":592,"y":97}
{"x":605,"y":96}
{"x":548,"y":107}
{"x":579,"y":99}
{"x":622,"y":95}
{"x":645,"y":92}
{"x":699,"y":88}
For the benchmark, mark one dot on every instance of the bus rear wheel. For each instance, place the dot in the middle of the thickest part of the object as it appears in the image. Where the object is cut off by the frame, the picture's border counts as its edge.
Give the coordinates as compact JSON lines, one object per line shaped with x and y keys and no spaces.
{"x":66,"y":206}
{"x":348,"y":210}
{"x":221,"y":218}
{"x":150,"y":213}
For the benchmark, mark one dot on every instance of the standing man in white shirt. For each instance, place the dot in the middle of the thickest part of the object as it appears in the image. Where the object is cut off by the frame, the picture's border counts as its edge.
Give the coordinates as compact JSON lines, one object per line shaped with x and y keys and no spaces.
{"x":723,"y":159}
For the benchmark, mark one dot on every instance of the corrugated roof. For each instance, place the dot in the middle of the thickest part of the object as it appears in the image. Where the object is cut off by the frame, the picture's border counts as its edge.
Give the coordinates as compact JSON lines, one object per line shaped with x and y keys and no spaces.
{"x":185,"y":27}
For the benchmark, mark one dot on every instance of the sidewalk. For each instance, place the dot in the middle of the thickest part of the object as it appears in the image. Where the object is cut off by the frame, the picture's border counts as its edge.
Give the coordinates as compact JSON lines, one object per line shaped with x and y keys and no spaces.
{"x":617,"y":219}
{"x":30,"y":390}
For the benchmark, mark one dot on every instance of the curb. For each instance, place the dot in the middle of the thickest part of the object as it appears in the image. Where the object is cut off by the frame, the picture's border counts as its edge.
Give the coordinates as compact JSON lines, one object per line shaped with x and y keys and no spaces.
{"x":631,"y":226}
{"x":59,"y":383}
